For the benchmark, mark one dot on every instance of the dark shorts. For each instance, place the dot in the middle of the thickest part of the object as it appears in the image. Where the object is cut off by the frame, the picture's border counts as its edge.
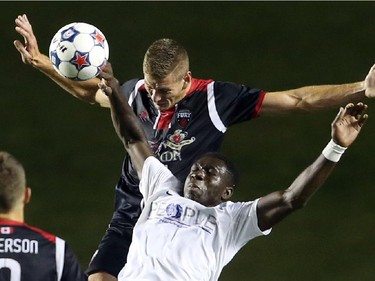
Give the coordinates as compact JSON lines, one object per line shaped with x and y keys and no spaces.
{"x":113,"y":249}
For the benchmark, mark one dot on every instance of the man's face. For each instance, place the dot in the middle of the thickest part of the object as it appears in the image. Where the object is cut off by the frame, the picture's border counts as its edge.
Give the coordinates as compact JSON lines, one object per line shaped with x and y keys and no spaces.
{"x":208,"y":182}
{"x":166,"y":92}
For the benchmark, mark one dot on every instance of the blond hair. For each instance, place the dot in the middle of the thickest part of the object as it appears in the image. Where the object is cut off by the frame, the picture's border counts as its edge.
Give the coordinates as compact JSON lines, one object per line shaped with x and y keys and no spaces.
{"x":12,"y":181}
{"x":165,"y":56}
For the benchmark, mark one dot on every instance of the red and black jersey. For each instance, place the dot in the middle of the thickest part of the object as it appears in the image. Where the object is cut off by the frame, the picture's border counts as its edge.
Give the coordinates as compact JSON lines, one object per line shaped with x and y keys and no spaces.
{"x":195,"y":125}
{"x":30,"y":254}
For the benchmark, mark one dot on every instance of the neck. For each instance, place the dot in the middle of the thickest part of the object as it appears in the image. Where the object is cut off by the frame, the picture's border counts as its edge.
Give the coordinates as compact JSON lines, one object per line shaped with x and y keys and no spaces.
{"x":13,"y":215}
{"x":186,"y":92}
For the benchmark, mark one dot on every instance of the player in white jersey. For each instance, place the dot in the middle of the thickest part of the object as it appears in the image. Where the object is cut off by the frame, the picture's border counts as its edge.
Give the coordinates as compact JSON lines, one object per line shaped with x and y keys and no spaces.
{"x":28,"y":253}
{"x":183,"y":118}
{"x":192,"y":237}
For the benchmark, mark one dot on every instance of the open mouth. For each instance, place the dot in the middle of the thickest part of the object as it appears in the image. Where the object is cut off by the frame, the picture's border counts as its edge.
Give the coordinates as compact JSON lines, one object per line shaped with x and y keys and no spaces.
{"x":193,"y":186}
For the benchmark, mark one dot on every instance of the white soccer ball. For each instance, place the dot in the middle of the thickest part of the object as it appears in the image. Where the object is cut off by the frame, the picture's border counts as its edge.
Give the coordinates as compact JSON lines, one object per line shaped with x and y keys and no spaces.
{"x":79,"y":51}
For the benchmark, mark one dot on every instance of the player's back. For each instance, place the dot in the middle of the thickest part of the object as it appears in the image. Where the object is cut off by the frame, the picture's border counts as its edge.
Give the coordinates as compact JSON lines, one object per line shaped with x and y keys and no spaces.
{"x":28,"y":253}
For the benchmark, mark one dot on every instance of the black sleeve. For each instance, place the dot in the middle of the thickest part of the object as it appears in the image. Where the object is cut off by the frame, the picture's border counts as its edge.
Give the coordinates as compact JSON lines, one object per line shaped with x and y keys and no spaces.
{"x":237,"y":103}
{"x":128,"y":87}
{"x":72,"y":270}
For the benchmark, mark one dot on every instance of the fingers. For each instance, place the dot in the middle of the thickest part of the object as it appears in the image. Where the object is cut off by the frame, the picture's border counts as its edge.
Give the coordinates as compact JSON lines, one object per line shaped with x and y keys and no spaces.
{"x":107,"y":72}
{"x":23,"y":24}
{"x":362,"y":120}
{"x":339,"y":115}
{"x":358,"y":112}
{"x":26,"y":57}
{"x":24,"y":28}
{"x":103,"y":86}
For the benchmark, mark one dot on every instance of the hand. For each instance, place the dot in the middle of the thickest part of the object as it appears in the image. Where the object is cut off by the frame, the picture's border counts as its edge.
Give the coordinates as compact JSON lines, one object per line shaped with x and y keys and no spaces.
{"x":29,"y":50}
{"x":370,"y":83}
{"x":348,"y":123}
{"x":108,"y":82}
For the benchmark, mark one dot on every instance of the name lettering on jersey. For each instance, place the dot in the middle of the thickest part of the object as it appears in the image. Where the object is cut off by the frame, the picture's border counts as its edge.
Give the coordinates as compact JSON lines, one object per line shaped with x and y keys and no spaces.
{"x":17,"y":245}
{"x":183,"y":117}
{"x":175,"y":142}
{"x":183,"y":216}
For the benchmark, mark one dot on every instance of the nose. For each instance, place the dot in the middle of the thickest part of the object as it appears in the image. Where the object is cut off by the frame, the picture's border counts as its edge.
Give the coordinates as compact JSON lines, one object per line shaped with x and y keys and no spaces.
{"x":198,"y":174}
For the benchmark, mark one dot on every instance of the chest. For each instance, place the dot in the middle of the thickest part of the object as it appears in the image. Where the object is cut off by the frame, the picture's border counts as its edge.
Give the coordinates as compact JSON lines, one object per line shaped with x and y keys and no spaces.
{"x":180,"y":133}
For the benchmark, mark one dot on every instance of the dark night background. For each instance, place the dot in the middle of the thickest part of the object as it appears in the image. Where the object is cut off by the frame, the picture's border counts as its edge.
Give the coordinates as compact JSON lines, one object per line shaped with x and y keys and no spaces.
{"x":72,"y":155}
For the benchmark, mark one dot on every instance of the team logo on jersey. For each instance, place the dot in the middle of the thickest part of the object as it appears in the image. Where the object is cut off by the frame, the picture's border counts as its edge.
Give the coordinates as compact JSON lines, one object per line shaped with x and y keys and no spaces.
{"x":6,"y":230}
{"x":143,"y":116}
{"x":170,"y":149}
{"x":177,"y":140}
{"x":183,"y":117}
{"x":174,"y":211}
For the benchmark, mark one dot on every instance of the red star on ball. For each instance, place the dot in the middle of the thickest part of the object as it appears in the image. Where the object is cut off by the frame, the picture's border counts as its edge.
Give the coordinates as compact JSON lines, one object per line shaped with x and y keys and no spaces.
{"x":80,"y":61}
{"x":98,"y":37}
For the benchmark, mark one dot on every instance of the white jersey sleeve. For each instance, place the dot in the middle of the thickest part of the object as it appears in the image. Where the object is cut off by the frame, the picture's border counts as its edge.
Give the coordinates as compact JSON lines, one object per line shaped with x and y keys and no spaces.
{"x":246,"y":223}
{"x":155,"y":177}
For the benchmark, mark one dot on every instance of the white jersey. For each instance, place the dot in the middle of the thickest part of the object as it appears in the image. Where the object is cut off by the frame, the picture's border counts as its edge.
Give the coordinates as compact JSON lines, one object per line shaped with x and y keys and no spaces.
{"x":179,"y":239}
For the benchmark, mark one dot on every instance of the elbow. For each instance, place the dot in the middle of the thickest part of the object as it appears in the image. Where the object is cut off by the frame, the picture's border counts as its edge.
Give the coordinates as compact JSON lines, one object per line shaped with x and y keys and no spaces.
{"x":85,"y":95}
{"x":298,"y":204}
{"x":294,"y":203}
{"x":86,"y":91}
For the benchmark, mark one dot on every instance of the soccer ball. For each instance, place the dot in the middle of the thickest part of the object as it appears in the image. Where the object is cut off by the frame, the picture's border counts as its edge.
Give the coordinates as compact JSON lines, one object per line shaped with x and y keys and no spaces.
{"x":79,"y":51}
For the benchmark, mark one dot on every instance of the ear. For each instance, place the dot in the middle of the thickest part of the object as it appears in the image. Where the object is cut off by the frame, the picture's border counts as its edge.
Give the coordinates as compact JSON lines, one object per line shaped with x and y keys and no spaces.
{"x":187,"y":79}
{"x":227,"y":193}
{"x":27,"y":197}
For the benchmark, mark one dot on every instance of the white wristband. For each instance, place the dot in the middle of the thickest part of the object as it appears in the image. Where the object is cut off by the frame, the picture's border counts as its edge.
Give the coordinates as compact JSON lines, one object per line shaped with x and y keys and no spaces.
{"x":333,"y":151}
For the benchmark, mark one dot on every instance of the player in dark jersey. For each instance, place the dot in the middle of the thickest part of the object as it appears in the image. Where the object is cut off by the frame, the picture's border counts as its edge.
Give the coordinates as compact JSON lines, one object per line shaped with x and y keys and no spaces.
{"x":28,"y":253}
{"x":183,"y":118}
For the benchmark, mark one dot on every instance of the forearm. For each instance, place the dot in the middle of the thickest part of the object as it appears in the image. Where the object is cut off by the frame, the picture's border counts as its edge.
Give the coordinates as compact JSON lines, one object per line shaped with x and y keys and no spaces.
{"x":344,"y":130}
{"x":83,"y":90}
{"x":277,"y":205}
{"x":329,"y":96}
{"x":308,"y":182}
{"x":129,"y":130}
{"x":313,"y":98}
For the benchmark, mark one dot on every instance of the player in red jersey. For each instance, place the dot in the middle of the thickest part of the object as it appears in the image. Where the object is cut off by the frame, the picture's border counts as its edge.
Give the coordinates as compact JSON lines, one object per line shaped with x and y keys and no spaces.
{"x":28,"y":253}
{"x":183,"y":118}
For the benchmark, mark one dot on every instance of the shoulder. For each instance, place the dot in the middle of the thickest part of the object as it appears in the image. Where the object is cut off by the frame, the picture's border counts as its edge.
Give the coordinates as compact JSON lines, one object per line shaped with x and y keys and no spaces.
{"x":236,"y":208}
{"x":152,"y":167}
{"x":10,"y":226}
{"x":132,"y":85}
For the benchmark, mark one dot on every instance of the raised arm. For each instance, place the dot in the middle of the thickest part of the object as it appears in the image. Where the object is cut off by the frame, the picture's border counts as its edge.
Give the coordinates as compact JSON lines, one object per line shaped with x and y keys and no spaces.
{"x":126,"y":123}
{"x":344,"y":130}
{"x":313,"y":98}
{"x":84,"y":90}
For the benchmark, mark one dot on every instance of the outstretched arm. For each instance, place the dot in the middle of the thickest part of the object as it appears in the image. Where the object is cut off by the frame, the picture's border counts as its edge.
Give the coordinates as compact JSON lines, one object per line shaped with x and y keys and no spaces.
{"x":126,"y":123}
{"x":344,"y":130}
{"x":313,"y":98}
{"x":85,"y":90}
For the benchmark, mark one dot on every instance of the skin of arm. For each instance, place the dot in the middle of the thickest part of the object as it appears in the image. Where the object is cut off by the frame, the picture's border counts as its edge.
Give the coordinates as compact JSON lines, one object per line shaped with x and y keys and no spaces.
{"x":304,"y":99}
{"x":84,"y":90}
{"x":313,"y":98}
{"x":125,"y":122}
{"x":275,"y":206}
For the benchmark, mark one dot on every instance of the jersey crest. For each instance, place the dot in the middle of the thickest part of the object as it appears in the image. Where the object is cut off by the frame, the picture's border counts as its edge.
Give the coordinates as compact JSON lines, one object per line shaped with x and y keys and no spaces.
{"x":170,"y":149}
{"x":183,"y":117}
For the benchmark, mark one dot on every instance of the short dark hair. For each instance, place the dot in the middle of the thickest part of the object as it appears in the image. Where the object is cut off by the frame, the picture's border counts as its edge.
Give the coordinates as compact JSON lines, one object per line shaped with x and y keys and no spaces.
{"x":12,"y":181}
{"x":165,"y":56}
{"x":231,"y":167}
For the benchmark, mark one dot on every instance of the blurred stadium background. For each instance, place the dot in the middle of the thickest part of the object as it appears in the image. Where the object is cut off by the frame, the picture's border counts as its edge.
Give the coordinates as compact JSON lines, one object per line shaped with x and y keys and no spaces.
{"x":73,"y":157}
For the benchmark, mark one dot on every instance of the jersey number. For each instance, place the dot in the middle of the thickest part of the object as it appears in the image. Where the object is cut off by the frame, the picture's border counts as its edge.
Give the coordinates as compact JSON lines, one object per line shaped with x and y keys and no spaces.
{"x":14,"y":267}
